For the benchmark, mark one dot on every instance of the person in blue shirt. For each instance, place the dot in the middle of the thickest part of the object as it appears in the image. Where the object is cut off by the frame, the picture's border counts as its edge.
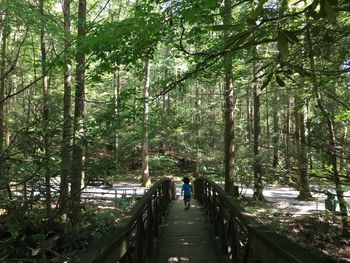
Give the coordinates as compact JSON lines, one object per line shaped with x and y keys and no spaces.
{"x":187,"y":191}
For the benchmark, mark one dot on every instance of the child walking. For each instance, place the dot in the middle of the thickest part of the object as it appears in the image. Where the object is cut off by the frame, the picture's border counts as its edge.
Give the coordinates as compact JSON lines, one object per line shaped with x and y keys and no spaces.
{"x":187,"y":191}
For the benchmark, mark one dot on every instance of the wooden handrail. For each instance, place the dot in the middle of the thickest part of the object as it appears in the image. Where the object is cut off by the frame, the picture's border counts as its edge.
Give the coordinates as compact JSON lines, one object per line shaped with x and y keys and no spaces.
{"x":241,"y":237}
{"x":132,"y":239}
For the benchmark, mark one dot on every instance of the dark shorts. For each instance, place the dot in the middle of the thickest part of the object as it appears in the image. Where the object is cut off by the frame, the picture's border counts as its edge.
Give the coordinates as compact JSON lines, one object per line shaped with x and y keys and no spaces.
{"x":187,"y":197}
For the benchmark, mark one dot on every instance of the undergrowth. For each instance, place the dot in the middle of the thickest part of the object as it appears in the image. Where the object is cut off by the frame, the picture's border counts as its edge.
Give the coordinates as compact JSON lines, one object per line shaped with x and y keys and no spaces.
{"x":319,"y":232}
{"x":25,"y":237}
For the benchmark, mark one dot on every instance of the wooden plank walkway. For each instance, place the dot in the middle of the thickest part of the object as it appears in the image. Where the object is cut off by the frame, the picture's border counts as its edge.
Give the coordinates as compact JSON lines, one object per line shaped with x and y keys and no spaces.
{"x":185,"y":237}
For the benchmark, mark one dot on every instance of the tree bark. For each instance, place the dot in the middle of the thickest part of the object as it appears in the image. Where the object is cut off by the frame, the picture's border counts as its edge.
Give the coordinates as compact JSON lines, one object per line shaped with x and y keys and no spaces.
{"x":146,"y":181}
{"x":66,"y":155}
{"x":116,"y":112}
{"x":267,"y":120}
{"x":248,"y":116}
{"x":4,"y":36}
{"x":258,"y":186}
{"x":229,"y":107}
{"x":302,"y":153}
{"x":78,"y":139}
{"x":198,"y":130}
{"x":288,"y":139}
{"x":46,"y":113}
{"x":166,"y":107}
{"x":275,"y":137}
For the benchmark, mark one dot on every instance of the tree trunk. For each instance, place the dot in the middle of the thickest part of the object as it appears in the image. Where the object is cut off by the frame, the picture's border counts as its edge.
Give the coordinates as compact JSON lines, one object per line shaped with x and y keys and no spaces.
{"x":258,"y":187}
{"x":287,"y":140}
{"x":303,"y":180}
{"x":116,"y":112}
{"x":212,"y":115}
{"x":248,"y":115}
{"x":78,"y":139}
{"x":45,"y":124}
{"x":334,"y":162}
{"x":166,"y":99}
{"x":268,"y":136}
{"x":275,"y":137}
{"x":332,"y":140}
{"x":4,"y":35}
{"x":166,"y":106}
{"x":198,"y":130}
{"x":146,"y":181}
{"x":67,"y":119}
{"x":229,"y":107}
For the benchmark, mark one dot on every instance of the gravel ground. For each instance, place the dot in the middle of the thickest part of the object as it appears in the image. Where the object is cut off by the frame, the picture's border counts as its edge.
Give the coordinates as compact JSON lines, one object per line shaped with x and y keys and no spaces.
{"x":286,"y":198}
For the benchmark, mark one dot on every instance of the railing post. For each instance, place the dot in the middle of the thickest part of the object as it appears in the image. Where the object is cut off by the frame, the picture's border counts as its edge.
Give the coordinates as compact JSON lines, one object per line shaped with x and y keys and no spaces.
{"x":156,"y":214}
{"x":222,"y":229}
{"x":162,"y":199}
{"x":209,"y":198}
{"x":149,"y":231}
{"x":233,"y":238}
{"x":168,"y":191}
{"x":161,"y":205}
{"x":213,"y":219}
{"x":173,"y":190}
{"x":199,"y":190}
{"x":206,"y":195}
{"x":140,"y":248}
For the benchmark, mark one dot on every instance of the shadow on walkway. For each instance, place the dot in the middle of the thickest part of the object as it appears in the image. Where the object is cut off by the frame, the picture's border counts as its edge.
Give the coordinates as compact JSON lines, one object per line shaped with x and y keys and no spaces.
{"x":185,"y":237}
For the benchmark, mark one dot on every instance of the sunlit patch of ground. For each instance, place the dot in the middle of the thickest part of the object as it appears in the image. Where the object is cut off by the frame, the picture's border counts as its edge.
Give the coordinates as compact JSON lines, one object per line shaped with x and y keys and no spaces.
{"x":319,"y":231}
{"x":178,"y":259}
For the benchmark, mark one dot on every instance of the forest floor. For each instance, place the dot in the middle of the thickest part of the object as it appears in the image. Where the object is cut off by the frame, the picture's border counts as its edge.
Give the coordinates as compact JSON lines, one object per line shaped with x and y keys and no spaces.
{"x":306,"y":222}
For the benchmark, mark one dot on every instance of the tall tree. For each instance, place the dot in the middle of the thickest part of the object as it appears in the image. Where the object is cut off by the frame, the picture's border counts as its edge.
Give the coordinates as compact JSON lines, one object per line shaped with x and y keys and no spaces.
{"x":166,"y":104}
{"x":4,"y":35}
{"x":146,"y":180}
{"x":67,"y":119}
{"x":287,"y":152}
{"x":275,"y":137}
{"x":229,"y":107}
{"x":46,"y":117}
{"x":79,"y":106}
{"x":117,"y":87}
{"x":302,"y":151}
{"x":258,"y":187}
{"x":198,"y":103}
{"x":332,"y":141}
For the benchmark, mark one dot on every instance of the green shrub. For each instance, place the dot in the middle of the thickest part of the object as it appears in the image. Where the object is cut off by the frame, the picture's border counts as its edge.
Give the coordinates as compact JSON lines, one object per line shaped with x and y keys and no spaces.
{"x":162,"y":164}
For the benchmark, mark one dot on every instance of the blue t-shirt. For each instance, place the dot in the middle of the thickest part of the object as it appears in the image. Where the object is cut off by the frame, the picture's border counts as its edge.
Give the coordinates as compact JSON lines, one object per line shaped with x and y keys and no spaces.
{"x":187,"y":189}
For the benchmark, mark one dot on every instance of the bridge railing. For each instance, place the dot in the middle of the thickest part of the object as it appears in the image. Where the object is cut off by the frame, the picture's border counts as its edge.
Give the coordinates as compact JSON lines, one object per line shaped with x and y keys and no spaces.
{"x":132,"y":240}
{"x":241,"y":237}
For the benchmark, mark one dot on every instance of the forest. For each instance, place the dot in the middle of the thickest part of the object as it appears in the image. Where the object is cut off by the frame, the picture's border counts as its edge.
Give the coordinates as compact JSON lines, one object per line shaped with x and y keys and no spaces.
{"x":246,"y":92}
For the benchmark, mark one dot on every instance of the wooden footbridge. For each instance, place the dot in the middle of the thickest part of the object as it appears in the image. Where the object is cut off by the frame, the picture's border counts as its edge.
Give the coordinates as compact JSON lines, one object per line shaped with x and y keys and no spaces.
{"x":215,"y":229}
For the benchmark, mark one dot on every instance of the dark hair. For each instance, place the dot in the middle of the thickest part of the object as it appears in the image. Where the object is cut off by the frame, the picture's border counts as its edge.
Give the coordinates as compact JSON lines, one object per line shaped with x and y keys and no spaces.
{"x":186,"y":180}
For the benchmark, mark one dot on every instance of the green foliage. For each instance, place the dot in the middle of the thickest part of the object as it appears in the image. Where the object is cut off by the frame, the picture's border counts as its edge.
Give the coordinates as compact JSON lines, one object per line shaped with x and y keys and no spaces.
{"x":22,"y":233}
{"x":343,"y":116}
{"x":282,"y":44}
{"x":124,"y":203}
{"x":92,"y":227}
{"x":162,"y":164}
{"x":125,"y":42}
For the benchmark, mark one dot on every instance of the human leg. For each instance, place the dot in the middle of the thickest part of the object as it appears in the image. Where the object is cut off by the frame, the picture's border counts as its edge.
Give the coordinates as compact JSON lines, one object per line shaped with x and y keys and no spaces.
{"x":187,"y":201}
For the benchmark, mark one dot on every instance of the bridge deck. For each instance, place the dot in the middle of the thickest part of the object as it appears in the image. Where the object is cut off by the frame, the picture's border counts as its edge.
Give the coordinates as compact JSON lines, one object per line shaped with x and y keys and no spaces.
{"x":185,"y":237}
